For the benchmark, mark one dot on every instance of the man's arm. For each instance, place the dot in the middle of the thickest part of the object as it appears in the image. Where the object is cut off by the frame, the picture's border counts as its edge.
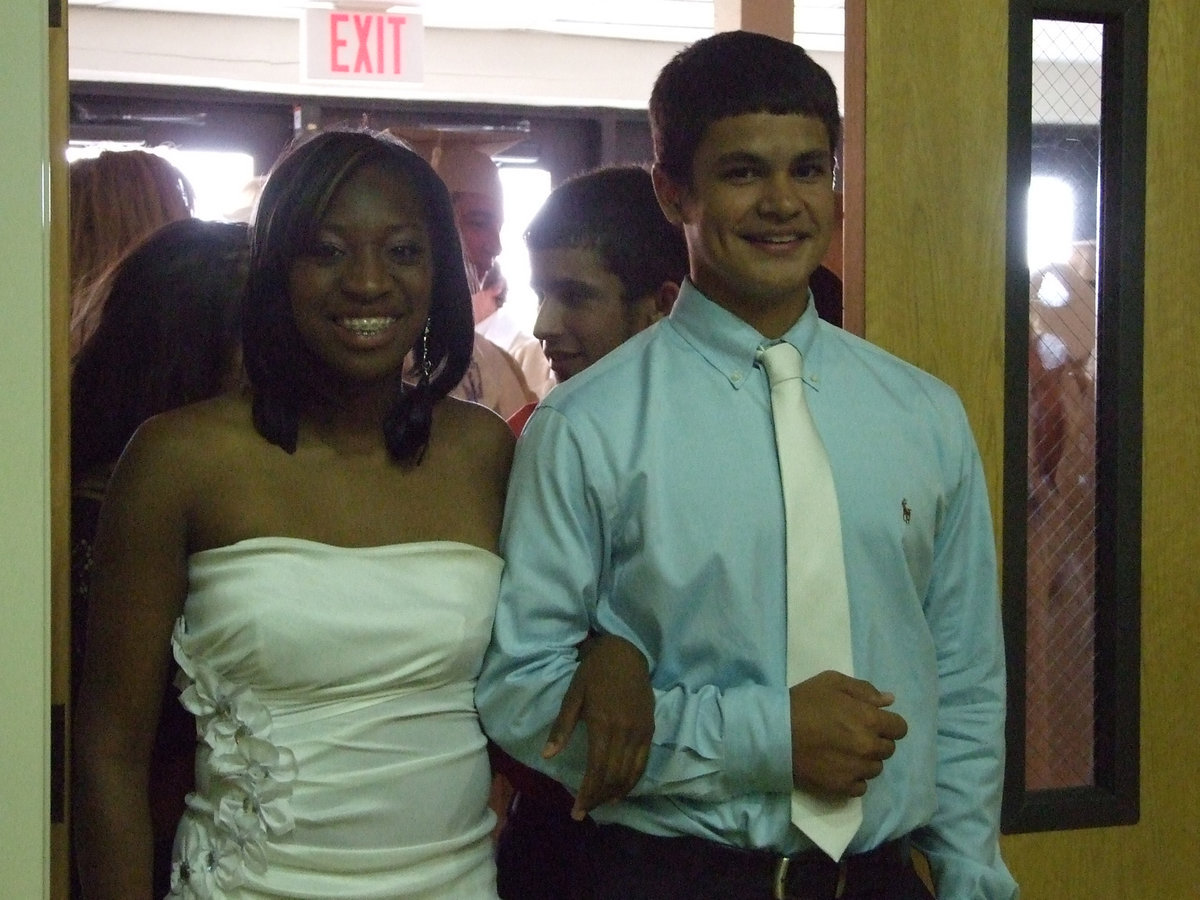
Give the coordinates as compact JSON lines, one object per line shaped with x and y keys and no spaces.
{"x":557,"y":586}
{"x":963,"y":610}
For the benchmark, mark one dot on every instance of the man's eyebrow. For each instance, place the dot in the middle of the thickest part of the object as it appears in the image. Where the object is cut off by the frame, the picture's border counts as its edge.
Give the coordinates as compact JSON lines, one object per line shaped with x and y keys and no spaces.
{"x":561,"y":280}
{"x":739,"y":156}
{"x":560,"y":283}
{"x":813,"y":155}
{"x":749,"y":156}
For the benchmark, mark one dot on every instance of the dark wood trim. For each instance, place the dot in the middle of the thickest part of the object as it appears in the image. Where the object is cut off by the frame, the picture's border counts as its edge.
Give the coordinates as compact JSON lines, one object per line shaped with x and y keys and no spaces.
{"x":565,"y":140}
{"x":854,"y":167}
{"x":1114,"y":798}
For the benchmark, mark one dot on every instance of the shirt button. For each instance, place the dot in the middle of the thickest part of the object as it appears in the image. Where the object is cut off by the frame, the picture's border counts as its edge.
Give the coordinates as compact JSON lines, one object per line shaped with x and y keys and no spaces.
{"x":735,"y":377}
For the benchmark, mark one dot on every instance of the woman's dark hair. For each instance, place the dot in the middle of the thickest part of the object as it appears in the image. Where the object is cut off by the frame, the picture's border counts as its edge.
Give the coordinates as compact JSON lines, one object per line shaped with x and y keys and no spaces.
{"x":167,"y":335}
{"x":729,"y":74}
{"x":284,"y":374}
{"x":614,"y":212}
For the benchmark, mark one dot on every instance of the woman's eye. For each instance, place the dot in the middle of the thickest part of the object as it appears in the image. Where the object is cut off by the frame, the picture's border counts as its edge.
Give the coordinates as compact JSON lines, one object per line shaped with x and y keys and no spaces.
{"x":324,"y":250}
{"x":408,"y":253}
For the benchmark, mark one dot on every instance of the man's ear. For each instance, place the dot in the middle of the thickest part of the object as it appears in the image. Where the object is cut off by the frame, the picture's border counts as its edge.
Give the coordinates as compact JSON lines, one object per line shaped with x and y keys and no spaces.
{"x":665,"y":299}
{"x":654,"y":306}
{"x":669,"y":195}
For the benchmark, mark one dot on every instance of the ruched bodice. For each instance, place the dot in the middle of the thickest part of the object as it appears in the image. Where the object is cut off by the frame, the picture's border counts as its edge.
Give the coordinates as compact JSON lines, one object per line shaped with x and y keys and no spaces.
{"x":339,"y":750}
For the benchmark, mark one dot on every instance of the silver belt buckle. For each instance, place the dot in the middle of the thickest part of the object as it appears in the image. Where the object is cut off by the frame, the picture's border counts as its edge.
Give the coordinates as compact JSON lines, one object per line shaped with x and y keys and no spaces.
{"x":840,"y":889}
{"x":781,"y":870}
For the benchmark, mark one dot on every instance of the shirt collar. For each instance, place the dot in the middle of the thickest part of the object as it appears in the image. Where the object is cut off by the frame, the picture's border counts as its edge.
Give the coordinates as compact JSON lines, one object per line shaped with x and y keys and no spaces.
{"x":729,"y":344}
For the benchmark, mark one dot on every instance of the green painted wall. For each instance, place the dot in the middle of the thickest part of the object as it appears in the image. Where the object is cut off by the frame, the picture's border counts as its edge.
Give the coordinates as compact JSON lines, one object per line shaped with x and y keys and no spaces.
{"x":24,"y":452}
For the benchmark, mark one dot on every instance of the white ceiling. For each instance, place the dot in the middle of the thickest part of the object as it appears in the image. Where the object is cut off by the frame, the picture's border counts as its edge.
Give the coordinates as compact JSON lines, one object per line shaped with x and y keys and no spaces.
{"x":819,"y":23}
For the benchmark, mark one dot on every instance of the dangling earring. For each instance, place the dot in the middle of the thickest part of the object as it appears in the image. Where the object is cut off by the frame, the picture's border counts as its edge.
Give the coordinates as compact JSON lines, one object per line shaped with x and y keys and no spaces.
{"x":424,"y":361}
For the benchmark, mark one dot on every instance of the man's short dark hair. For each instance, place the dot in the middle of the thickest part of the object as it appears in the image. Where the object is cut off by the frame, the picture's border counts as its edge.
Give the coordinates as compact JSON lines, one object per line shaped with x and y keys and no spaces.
{"x":614,"y":211}
{"x":731,"y":74}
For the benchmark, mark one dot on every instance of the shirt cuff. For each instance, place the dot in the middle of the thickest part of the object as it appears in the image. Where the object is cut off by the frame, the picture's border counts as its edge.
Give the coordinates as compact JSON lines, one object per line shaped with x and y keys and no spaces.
{"x":758,"y":739}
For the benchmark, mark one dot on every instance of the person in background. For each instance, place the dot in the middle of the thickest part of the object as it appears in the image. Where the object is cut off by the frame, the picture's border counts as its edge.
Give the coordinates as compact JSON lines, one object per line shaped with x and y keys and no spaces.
{"x":494,"y":378}
{"x":168,"y":335}
{"x":241,"y":207}
{"x":646,"y":502}
{"x":474,"y":184}
{"x":494,"y":321}
{"x":605,"y":265}
{"x":116,"y":199}
{"x":826,"y":279}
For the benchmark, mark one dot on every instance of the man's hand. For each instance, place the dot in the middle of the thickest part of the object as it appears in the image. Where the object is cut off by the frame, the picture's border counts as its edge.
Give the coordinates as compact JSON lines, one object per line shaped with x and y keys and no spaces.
{"x":841,"y":734}
{"x":611,"y":695}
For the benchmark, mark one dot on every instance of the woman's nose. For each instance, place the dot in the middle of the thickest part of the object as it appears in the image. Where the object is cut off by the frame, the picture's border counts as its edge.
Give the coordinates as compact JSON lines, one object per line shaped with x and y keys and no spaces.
{"x":366,"y":274}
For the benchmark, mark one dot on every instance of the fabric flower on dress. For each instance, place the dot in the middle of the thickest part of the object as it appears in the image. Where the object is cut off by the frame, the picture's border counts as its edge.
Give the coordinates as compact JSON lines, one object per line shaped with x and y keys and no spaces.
{"x":225,"y":830}
{"x":205,"y":864}
{"x":223,"y":710}
{"x":239,"y":821}
{"x":255,"y":775}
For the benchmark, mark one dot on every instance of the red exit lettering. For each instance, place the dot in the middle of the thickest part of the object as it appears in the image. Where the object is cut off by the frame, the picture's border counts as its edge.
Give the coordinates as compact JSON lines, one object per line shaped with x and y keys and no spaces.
{"x":372,"y":40}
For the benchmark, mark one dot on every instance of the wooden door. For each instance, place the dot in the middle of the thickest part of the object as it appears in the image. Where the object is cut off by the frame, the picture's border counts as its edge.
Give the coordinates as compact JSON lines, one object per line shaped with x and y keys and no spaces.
{"x":934,"y":213}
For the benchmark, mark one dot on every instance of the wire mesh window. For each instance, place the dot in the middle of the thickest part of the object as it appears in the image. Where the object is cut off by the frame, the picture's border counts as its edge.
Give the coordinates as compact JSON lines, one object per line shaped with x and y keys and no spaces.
{"x":1061,"y":536}
{"x":1072,"y":467}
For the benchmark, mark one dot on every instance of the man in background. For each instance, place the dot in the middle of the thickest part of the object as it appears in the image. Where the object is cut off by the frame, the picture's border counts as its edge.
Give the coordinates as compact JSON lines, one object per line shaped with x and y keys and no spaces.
{"x":494,"y":379}
{"x":496,"y":323}
{"x":474,"y":184}
{"x":604,"y":265}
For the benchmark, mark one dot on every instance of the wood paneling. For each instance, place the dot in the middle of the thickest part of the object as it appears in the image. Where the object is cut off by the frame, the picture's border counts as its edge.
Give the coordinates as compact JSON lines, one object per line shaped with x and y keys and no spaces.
{"x":935,"y":197}
{"x":1169,"y":838}
{"x":1158,"y":857}
{"x":934,"y":233}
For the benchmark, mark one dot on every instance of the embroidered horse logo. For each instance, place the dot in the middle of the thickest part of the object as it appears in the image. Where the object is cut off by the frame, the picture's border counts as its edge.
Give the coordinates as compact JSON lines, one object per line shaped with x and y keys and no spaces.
{"x":905,"y":511}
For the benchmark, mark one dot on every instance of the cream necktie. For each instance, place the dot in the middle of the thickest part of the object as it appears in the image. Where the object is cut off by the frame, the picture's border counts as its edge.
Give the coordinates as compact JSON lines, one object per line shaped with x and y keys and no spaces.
{"x":818,"y":608}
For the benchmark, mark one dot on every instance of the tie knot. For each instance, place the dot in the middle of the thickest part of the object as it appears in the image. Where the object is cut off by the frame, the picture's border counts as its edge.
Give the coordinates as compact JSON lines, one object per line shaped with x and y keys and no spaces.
{"x":782,"y":362}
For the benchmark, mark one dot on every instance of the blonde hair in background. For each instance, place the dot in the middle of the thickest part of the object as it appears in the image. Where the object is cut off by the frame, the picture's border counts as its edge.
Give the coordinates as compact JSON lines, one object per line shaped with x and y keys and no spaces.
{"x":117,"y":199}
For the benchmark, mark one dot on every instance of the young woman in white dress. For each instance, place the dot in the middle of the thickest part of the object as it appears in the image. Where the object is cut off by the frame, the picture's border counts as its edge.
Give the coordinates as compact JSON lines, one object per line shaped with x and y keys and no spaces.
{"x":317,"y":556}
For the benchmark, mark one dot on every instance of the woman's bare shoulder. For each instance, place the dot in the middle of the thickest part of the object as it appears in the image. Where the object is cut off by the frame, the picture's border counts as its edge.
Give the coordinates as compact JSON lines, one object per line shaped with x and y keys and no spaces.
{"x":473,"y":430}
{"x":204,"y":432}
{"x":225,"y":413}
{"x":472,"y":420}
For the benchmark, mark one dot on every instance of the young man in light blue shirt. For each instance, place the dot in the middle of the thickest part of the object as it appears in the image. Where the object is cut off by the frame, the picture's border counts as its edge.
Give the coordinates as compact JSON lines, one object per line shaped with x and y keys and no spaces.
{"x":645,"y":502}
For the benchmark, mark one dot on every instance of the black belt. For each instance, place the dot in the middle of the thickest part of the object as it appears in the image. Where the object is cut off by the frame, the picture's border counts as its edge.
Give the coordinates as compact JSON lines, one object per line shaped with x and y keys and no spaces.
{"x":810,"y":875}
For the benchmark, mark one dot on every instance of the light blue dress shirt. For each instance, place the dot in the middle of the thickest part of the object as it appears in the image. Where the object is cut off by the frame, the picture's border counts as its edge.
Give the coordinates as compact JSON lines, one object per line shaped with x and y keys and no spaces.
{"x":645,"y":501}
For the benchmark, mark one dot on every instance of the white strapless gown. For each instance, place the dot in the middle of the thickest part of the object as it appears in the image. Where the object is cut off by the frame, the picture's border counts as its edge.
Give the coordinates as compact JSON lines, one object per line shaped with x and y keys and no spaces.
{"x":339,"y":750}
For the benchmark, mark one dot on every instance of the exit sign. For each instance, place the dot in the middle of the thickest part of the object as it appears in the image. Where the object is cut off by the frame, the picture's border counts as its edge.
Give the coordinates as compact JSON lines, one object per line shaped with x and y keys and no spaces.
{"x":361,"y":45}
